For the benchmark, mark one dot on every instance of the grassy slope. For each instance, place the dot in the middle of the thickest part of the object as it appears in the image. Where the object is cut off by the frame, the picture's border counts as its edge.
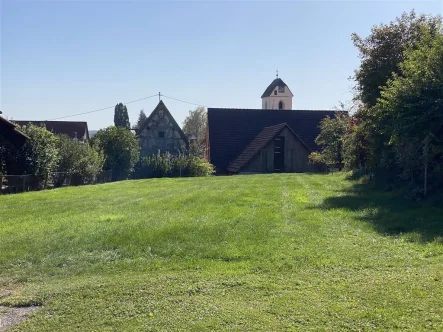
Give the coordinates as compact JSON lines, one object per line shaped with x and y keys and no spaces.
{"x":268,"y":252}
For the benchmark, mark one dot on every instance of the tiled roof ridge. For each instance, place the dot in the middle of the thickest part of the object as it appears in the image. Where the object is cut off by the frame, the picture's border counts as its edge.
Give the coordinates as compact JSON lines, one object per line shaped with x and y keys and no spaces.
{"x":49,"y":121}
{"x":273,"y":110}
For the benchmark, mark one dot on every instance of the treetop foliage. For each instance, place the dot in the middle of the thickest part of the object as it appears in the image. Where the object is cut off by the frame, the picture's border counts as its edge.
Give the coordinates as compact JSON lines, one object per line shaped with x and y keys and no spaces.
{"x":141,"y":120}
{"x":121,"y":149}
{"x":384,"y":49}
{"x":121,"y":117}
{"x":196,"y":123}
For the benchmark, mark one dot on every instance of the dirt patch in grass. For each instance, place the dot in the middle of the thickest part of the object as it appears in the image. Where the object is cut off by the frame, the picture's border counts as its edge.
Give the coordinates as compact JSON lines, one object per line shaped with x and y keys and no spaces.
{"x":5,"y":293}
{"x":12,"y":316}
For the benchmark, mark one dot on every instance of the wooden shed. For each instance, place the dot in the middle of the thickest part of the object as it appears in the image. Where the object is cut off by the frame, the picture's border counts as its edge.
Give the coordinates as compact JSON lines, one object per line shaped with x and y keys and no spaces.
{"x":275,"y":149}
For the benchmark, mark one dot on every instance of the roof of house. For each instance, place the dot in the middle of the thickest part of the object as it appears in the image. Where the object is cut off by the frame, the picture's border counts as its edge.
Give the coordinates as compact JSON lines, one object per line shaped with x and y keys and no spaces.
{"x":161,"y":105}
{"x":232,"y":130}
{"x":275,"y":83}
{"x":10,"y":132}
{"x":73,"y":129}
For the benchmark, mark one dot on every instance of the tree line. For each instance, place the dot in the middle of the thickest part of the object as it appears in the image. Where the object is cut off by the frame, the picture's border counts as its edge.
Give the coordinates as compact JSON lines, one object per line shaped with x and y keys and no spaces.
{"x":58,"y":157}
{"x":395,"y":132}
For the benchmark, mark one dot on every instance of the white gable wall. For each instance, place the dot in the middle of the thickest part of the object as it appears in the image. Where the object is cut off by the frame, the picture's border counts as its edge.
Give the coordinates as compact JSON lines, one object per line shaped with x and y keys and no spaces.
{"x":271,"y":102}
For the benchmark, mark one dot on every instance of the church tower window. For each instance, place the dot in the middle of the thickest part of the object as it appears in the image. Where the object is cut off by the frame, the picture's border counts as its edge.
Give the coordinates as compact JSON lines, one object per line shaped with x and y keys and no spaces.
{"x":281,"y":105}
{"x":275,"y":92}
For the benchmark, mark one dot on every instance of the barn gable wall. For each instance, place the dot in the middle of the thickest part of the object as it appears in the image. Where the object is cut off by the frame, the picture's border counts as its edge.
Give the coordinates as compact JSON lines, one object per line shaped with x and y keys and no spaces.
{"x":296,"y":156}
{"x":161,"y":133}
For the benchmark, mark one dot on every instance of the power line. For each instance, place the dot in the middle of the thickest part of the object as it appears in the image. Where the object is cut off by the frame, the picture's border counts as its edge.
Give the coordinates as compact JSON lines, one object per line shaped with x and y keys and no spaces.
{"x":183,"y":101}
{"x":128,"y":102}
{"x":101,"y":109}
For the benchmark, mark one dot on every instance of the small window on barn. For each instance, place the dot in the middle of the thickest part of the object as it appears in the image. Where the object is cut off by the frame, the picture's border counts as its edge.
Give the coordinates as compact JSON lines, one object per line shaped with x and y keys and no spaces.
{"x":161,"y":134}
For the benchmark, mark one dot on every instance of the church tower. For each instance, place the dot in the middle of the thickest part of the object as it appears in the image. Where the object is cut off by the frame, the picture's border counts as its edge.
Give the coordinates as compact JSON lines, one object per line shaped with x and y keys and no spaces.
{"x":277,"y":96}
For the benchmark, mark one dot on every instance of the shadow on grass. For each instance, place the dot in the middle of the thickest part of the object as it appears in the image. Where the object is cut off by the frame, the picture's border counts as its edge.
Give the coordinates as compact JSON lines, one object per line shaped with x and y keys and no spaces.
{"x":391,"y":213}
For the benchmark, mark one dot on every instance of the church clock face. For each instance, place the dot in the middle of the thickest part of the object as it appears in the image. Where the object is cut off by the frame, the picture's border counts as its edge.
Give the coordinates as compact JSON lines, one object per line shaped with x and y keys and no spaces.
{"x":281,"y":89}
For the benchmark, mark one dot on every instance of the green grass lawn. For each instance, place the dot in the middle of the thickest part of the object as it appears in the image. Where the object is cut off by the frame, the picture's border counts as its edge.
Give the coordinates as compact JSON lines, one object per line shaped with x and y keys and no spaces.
{"x":269,"y":252}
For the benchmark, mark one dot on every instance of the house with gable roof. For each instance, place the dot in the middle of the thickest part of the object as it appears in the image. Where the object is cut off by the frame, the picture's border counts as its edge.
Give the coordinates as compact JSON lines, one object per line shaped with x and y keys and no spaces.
{"x":161,"y":133}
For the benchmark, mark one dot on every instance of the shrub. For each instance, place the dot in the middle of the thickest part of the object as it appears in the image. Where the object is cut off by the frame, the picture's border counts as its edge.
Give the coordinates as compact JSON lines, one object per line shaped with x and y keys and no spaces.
{"x":79,"y":162}
{"x":167,"y":165}
{"x":199,"y":167}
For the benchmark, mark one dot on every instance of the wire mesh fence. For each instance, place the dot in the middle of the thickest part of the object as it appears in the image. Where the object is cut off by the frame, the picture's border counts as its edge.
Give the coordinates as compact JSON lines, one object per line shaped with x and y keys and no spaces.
{"x":11,"y":184}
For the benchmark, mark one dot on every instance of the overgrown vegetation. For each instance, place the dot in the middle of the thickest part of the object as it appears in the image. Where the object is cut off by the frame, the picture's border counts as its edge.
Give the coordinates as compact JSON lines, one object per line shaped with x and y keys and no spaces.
{"x":64,"y":161}
{"x":260,"y":252}
{"x":168,"y":165}
{"x":121,"y":117}
{"x":397,"y":131}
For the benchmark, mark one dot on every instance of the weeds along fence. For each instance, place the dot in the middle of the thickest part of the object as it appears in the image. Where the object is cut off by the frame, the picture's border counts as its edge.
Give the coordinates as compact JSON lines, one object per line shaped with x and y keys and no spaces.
{"x":11,"y":184}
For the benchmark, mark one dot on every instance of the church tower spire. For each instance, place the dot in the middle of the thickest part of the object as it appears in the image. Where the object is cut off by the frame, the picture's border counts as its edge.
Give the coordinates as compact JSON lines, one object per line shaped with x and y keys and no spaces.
{"x":277,"y":96}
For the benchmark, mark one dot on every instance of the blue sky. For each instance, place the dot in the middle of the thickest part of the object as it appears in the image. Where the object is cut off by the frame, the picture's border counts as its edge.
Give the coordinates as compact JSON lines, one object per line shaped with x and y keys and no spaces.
{"x":65,"y":57}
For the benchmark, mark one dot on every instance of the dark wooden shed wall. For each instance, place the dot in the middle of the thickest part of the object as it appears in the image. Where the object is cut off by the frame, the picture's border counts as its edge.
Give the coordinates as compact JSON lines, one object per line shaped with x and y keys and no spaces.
{"x":296,"y":157}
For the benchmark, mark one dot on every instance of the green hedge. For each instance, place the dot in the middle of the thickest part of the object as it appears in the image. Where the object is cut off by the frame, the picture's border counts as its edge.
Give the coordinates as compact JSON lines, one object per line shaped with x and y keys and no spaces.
{"x":167,"y":165}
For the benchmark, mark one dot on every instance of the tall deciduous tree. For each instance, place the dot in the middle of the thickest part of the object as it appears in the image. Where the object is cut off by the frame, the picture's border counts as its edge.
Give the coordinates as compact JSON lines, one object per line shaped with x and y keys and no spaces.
{"x":383,"y":50}
{"x":121,"y":117}
{"x":409,"y":114}
{"x":195,"y":124}
{"x":121,"y":150}
{"x":330,"y":139}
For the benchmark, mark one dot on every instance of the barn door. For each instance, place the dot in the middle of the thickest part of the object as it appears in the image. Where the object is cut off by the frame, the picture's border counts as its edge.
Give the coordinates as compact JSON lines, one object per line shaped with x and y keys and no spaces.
{"x":279,"y":154}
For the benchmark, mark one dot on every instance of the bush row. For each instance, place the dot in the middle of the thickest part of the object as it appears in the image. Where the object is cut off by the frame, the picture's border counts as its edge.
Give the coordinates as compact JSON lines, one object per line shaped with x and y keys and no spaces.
{"x":168,"y":165}
{"x":63,"y":161}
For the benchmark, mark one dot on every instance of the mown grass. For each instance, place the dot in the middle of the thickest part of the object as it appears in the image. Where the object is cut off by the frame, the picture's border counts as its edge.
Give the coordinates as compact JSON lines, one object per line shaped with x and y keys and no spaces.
{"x":268,"y":252}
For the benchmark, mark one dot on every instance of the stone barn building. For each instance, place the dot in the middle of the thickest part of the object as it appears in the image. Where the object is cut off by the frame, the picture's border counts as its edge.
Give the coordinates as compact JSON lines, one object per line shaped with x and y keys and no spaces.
{"x":161,"y":133}
{"x":264,"y":140}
